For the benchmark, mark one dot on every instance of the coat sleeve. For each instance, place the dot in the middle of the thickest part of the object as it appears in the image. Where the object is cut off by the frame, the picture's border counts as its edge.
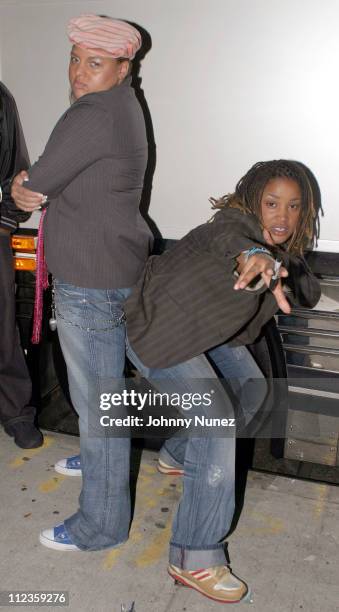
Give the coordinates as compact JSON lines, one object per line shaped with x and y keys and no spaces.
{"x":233,"y":232}
{"x":304,"y":287}
{"x":80,"y":138}
{"x":13,"y":158}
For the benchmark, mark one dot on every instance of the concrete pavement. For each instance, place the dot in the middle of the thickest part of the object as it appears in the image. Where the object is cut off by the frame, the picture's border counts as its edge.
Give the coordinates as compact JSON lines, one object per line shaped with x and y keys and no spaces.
{"x":285,"y":545}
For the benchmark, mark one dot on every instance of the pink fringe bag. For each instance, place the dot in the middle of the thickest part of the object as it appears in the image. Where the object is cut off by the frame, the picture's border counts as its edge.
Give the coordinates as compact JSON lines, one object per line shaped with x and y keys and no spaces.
{"x":41,"y":283}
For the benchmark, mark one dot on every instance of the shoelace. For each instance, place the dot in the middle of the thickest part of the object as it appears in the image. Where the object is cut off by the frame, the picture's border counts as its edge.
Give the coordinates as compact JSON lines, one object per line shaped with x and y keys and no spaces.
{"x":41,"y":282}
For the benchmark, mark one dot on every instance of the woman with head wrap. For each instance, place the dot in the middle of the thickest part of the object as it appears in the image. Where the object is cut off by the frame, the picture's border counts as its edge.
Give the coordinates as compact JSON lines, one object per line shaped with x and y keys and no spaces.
{"x":96,"y":244}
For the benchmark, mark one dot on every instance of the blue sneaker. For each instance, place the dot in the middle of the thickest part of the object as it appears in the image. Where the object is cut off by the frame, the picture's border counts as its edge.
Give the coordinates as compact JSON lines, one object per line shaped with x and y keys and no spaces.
{"x":70,"y":466}
{"x":57,"y":538}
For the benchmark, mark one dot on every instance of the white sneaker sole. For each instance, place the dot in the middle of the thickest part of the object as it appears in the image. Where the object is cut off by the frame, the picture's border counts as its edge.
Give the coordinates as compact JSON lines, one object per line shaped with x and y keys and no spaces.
{"x":57,"y":545}
{"x":67,"y":471}
{"x":170,"y":470}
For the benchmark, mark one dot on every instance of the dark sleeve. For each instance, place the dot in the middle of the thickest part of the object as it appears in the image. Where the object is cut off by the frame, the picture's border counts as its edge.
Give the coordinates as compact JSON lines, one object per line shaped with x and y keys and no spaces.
{"x":80,"y":138}
{"x":13,"y":158}
{"x":234,"y":232}
{"x":304,"y":287}
{"x":10,"y":216}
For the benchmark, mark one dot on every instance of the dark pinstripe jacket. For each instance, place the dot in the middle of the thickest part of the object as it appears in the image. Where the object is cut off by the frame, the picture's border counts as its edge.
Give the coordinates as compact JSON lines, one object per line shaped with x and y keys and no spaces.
{"x":185,"y":302}
{"x":92,"y":170}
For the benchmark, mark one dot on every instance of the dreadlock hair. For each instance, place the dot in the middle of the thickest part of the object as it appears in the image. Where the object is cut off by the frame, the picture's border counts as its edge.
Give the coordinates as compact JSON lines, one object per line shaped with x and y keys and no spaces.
{"x":249,"y":190}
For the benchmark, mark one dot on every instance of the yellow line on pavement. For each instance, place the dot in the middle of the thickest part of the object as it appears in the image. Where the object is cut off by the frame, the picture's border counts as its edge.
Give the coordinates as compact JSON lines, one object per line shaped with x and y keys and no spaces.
{"x":149,"y":495}
{"x":323,"y":491}
{"x":112,"y":557}
{"x":155,"y":550}
{"x":149,"y":469}
{"x":143,"y":481}
{"x":150,"y":503}
{"x":163,"y":491}
{"x":29,"y":453}
{"x":52,"y":484}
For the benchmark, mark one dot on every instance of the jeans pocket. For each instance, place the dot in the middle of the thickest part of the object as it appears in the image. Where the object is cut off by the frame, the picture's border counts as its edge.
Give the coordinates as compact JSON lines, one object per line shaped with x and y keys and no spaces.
{"x":69,"y":301}
{"x":92,"y":310}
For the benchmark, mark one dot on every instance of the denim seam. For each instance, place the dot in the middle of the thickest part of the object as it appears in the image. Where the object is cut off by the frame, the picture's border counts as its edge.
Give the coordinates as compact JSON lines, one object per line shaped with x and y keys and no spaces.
{"x":105,"y":503}
{"x":217,"y":546}
{"x":194,"y":502}
{"x":95,"y":369}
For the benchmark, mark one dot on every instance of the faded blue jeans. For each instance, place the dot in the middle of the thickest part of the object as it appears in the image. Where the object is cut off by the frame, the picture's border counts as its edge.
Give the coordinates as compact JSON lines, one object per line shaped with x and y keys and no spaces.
{"x":206,"y":508}
{"x":236,"y":365}
{"x":93,"y":340}
{"x":91,"y":331}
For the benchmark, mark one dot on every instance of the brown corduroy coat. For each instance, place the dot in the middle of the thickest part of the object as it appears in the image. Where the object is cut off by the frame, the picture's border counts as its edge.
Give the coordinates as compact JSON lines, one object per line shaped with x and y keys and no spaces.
{"x":185,"y":303}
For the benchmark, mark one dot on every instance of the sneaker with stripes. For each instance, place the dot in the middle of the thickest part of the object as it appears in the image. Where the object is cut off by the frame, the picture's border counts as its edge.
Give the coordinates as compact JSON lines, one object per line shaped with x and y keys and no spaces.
{"x":170,"y":470}
{"x":217,"y":583}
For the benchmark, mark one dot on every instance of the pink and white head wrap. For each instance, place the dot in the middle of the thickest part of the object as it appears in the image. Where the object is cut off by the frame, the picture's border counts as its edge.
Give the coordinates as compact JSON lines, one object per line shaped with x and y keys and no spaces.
{"x":106,"y":35}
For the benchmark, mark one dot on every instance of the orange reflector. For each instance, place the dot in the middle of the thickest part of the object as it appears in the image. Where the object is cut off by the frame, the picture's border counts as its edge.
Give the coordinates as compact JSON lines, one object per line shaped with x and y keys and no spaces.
{"x":24,"y":263}
{"x":26,"y":244}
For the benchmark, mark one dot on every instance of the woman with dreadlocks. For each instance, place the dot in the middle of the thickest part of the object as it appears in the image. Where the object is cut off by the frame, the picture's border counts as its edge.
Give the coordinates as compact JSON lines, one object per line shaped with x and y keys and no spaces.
{"x":271,"y":218}
{"x":198,"y":295}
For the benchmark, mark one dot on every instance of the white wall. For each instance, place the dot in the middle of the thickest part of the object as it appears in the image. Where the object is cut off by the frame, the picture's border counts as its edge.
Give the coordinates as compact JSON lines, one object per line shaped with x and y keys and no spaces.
{"x":228,"y":83}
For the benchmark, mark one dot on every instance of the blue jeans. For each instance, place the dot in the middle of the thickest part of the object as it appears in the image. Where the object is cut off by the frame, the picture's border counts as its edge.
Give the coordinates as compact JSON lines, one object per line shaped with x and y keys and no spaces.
{"x":237,"y":366}
{"x":92,"y":337}
{"x":206,"y":508}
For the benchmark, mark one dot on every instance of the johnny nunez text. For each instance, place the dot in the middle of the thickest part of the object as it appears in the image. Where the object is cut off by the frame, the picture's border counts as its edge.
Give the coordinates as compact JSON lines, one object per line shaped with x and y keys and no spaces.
{"x":162,"y":421}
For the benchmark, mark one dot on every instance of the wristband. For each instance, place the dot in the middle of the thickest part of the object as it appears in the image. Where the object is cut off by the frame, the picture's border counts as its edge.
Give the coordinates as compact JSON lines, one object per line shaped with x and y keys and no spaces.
{"x":255,"y":250}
